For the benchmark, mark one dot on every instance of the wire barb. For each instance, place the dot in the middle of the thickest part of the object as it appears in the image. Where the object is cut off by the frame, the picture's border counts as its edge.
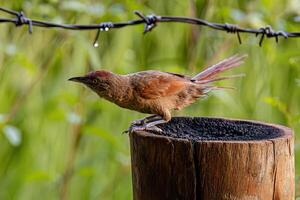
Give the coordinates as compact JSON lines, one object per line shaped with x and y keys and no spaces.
{"x":233,"y":28}
{"x":150,"y":22}
{"x":21,"y":20}
{"x":269,"y":32}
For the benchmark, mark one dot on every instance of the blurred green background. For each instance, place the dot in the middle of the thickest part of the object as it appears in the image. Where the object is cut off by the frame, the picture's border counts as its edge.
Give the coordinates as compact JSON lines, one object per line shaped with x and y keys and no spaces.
{"x":59,"y":141}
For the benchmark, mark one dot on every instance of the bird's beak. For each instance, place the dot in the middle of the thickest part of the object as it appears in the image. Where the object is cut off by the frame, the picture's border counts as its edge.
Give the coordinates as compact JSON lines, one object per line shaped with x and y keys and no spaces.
{"x":80,"y":79}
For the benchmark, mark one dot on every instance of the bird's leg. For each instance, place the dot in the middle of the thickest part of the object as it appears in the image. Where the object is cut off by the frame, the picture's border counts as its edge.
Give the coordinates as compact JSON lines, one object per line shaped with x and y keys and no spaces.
{"x":145,"y":120}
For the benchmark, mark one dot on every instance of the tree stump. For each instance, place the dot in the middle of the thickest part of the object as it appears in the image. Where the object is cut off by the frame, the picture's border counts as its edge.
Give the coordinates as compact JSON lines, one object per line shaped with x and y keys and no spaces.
{"x":213,"y":159}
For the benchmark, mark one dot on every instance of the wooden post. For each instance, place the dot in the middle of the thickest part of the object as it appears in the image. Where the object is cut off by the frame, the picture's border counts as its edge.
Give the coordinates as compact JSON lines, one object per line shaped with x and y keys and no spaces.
{"x":213,"y":159}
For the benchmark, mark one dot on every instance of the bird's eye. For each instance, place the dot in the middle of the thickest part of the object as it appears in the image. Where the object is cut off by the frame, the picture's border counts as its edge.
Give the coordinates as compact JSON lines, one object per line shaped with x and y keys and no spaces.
{"x":95,"y":81}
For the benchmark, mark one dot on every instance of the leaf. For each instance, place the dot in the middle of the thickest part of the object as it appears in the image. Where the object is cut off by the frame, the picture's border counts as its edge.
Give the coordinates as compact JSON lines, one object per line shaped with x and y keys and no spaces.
{"x":13,"y":135}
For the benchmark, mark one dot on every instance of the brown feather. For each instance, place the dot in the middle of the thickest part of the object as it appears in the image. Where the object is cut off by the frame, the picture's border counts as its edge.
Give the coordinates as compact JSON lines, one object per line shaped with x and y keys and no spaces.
{"x":155,"y":84}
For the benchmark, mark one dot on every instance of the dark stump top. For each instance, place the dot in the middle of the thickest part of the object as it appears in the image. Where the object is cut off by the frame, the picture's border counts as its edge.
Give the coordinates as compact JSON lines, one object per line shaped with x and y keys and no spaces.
{"x":203,"y":128}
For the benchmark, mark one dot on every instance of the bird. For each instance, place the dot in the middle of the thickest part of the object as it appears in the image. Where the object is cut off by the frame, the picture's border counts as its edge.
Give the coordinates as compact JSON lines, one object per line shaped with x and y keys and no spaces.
{"x":155,"y":92}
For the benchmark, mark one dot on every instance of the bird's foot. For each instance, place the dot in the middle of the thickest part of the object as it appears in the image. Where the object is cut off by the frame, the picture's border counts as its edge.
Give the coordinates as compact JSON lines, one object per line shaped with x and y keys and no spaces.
{"x":138,"y":122}
{"x":134,"y":128}
{"x":146,"y":128}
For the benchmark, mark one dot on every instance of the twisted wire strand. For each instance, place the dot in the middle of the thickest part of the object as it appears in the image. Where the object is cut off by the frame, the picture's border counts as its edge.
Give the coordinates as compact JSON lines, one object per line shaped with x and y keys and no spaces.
{"x":150,"y":22}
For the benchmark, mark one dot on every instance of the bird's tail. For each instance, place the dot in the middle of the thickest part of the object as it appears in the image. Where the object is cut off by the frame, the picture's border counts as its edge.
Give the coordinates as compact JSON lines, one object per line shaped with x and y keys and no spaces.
{"x":210,"y":73}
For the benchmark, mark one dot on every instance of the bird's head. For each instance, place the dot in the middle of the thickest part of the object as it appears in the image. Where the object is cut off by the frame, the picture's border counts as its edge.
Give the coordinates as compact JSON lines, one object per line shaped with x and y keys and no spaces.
{"x":98,"y":81}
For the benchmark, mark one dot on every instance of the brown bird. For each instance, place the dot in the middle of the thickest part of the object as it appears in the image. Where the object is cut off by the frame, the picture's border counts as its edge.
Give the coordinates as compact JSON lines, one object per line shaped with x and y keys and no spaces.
{"x":156,"y":92}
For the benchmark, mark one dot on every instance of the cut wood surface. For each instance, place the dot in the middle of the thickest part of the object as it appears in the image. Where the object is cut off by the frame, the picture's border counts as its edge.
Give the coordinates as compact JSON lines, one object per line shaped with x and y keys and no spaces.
{"x":213,"y":159}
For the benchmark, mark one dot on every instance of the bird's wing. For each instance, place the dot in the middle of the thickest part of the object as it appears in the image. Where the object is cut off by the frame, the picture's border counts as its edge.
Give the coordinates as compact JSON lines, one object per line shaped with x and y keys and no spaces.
{"x":155,"y":84}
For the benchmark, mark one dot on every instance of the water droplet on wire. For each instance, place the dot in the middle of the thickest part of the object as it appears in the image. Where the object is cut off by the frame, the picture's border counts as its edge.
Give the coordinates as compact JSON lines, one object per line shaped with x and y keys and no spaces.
{"x":96,"y":44}
{"x":106,"y":29}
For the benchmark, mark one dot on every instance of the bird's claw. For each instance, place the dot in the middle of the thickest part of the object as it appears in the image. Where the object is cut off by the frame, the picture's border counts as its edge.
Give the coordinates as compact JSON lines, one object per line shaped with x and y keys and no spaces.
{"x":126,"y":131}
{"x":138,"y":122}
{"x":154,"y":128}
{"x":134,"y":128}
{"x":130,"y":129}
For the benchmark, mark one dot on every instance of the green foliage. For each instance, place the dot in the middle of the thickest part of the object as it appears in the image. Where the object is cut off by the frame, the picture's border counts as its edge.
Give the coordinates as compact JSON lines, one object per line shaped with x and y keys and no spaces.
{"x":52,"y":129}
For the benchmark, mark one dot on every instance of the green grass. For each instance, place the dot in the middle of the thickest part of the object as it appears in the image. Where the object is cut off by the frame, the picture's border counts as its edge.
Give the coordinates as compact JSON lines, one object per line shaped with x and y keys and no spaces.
{"x":70,"y":141}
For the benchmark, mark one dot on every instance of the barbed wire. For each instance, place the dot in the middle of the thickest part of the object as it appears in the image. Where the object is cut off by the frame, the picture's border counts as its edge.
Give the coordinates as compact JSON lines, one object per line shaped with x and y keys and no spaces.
{"x":150,"y":22}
